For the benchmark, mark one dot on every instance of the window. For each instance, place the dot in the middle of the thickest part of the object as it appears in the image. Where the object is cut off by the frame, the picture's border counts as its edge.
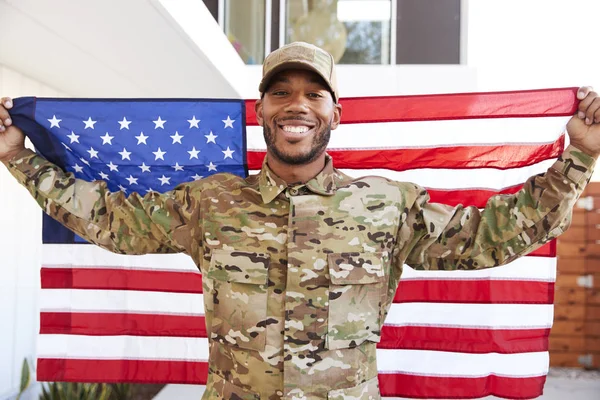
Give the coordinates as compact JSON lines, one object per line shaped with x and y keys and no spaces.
{"x":244,"y":25}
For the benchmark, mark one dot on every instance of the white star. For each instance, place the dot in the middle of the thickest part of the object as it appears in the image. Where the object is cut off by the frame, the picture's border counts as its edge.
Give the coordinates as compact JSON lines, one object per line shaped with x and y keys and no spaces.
{"x":83,"y":160}
{"x":142,"y":138}
{"x":107,"y":139}
{"x":132,"y":180}
{"x":124,"y":123}
{"x":77,"y":168}
{"x":54,"y":122}
{"x":93,"y":153}
{"x":74,"y":138}
{"x":196,"y":177}
{"x":211,"y":137}
{"x":159,"y":154}
{"x":159,"y":123}
{"x":149,"y":190}
{"x":66,"y":147}
{"x":164,"y":180}
{"x":144,"y":167}
{"x":125,"y":154}
{"x":176,"y":138}
{"x":104,"y":176}
{"x":193,"y":122}
{"x":122,"y":189}
{"x":228,"y":153}
{"x":194,"y":153}
{"x":178,"y":167}
{"x":89,"y":123}
{"x":113,"y":167}
{"x":212,"y":167}
{"x":228,"y":122}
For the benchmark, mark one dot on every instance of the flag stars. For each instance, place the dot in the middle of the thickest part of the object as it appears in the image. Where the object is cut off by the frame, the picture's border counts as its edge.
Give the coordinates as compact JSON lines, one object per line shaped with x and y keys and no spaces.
{"x":125,"y":154}
{"x":66,"y":147}
{"x":83,"y":160}
{"x":93,"y":153}
{"x":196,"y":177}
{"x":112,"y":166}
{"x":132,"y":180}
{"x":107,"y":139}
{"x":212,"y":167}
{"x":159,"y":123}
{"x":211,"y":137}
{"x":228,"y":122}
{"x":159,"y":154}
{"x":54,"y":122}
{"x":176,"y":138}
{"x":123,"y":189}
{"x":89,"y":123}
{"x":74,"y":138}
{"x":193,"y":122}
{"x":164,"y":180}
{"x":78,"y":168}
{"x":193,"y":153}
{"x":228,"y":153}
{"x":144,"y":167}
{"x":142,"y":138}
{"x":124,"y":123}
{"x":178,"y":167}
{"x":103,"y":176}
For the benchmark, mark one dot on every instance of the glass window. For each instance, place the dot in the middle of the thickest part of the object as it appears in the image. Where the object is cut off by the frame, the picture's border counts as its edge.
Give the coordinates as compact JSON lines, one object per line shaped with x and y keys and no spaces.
{"x":353,"y":31}
{"x":245,"y":28}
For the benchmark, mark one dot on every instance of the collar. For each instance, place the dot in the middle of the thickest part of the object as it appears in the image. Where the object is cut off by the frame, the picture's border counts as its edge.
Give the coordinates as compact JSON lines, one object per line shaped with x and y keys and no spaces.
{"x":324,"y":183}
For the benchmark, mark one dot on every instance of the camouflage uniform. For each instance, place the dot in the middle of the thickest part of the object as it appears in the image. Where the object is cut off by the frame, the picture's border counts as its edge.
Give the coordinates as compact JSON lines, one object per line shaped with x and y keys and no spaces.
{"x":298,"y":279}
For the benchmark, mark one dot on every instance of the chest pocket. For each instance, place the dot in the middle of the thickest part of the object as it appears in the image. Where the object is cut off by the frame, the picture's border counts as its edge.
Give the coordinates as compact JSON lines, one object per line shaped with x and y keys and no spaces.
{"x":356,"y":294}
{"x":239,"y":295}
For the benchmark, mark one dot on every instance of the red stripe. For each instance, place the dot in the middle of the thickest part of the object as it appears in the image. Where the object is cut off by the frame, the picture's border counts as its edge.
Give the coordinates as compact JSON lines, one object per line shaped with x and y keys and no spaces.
{"x":527,"y":103}
{"x":111,"y":371}
{"x":404,"y":385}
{"x":480,"y":291}
{"x":465,"y":340}
{"x":454,"y":157}
{"x":435,"y":387}
{"x":121,"y":279}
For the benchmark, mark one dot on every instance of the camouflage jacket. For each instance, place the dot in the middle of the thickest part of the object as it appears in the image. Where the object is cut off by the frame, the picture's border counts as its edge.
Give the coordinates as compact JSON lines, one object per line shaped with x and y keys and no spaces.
{"x":298,"y":279}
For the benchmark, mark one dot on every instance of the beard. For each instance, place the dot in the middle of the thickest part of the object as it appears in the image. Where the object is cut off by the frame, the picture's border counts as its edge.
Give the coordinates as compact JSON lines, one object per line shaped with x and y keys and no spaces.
{"x":319,"y":143}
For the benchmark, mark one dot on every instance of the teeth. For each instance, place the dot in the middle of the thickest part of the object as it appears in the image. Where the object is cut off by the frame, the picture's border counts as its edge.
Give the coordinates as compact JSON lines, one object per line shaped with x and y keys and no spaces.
{"x":295,"y":129}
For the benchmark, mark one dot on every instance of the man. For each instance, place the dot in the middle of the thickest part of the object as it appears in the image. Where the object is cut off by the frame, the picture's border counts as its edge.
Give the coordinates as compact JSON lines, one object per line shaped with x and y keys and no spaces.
{"x":300,"y":263}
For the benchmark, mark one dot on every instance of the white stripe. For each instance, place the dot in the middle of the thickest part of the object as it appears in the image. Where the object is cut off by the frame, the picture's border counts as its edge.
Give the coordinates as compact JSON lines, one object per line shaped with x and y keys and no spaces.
{"x":524,"y":268}
{"x":435,"y":133}
{"x":441,"y":363}
{"x":122,"y":347}
{"x":418,"y":362}
{"x":78,"y":300}
{"x":498,"y":316}
{"x":88,"y":255}
{"x":452,"y":179}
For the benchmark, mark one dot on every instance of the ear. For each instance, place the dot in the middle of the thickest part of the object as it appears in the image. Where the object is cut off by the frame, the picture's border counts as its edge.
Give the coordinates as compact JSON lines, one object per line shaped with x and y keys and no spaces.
{"x":337,"y":116}
{"x":258,"y":109}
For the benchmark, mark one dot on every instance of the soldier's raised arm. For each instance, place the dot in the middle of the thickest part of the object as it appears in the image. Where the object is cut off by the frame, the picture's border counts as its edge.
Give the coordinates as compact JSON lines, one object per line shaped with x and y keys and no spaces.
{"x":155,"y":223}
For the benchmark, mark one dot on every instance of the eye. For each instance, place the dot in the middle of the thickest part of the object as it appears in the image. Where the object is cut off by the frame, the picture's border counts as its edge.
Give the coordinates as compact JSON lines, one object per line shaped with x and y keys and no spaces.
{"x":315,"y":95}
{"x":279,"y":93}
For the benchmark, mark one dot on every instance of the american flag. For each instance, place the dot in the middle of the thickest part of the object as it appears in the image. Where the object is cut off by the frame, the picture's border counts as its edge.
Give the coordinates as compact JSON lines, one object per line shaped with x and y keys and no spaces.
{"x":449,"y":334}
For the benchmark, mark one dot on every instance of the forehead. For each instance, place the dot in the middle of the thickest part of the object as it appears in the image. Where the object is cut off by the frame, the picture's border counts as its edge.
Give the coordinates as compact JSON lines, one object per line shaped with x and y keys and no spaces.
{"x":299,"y":76}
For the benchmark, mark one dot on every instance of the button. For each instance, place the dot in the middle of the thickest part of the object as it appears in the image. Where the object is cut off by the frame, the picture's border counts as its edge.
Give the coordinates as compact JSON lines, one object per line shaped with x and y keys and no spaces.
{"x":293,"y":191}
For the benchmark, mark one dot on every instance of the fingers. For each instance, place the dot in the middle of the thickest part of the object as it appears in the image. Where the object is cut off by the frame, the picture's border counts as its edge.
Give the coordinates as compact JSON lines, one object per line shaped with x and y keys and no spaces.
{"x":589,"y":106}
{"x":5,"y":120}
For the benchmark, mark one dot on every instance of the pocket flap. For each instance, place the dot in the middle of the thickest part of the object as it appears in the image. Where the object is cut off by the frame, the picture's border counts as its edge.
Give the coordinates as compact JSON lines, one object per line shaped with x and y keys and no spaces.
{"x":239,"y":266}
{"x":356,"y":268}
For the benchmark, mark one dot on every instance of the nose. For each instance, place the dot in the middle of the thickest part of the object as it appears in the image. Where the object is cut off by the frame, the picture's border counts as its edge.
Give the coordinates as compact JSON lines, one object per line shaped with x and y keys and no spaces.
{"x":297,"y":104}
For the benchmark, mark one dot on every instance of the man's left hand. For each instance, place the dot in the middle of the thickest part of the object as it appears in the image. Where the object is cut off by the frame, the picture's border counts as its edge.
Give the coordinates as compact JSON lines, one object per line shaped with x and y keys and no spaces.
{"x":584,"y":126}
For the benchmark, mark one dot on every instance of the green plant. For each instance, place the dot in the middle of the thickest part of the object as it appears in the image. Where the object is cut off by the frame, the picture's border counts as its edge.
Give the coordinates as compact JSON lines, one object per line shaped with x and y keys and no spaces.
{"x":121,"y":391}
{"x":25,"y":378}
{"x":75,"y":391}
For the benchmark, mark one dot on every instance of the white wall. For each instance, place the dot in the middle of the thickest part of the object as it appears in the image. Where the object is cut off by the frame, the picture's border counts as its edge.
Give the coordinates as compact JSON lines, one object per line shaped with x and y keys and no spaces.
{"x":20,"y":255}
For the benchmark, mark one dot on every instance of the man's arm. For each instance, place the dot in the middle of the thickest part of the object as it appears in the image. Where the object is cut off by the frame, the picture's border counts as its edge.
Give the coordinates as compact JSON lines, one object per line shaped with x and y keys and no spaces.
{"x":155,"y":223}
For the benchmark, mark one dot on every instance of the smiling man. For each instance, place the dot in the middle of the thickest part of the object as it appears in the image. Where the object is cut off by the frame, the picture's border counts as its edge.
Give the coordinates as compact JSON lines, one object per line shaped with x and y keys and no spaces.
{"x":300,"y":263}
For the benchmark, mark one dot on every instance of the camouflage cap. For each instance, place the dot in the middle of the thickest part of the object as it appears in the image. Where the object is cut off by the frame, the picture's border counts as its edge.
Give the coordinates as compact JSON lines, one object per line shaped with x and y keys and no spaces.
{"x":300,"y":55}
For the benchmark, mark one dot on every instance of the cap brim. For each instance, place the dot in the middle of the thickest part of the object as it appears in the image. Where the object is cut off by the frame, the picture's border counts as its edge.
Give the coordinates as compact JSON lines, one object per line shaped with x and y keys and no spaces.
{"x":285,"y":66}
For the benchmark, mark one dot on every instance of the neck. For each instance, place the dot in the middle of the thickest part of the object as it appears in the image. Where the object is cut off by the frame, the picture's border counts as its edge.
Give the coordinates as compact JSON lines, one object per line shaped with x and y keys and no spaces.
{"x":295,"y":173}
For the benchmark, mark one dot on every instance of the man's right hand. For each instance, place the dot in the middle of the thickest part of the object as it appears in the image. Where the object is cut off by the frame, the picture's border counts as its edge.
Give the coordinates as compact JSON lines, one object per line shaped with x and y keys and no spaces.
{"x":12,"y":139}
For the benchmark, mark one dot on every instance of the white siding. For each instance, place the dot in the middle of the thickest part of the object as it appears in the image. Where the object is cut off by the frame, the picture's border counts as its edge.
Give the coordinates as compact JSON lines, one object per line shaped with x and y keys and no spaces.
{"x":20,"y":254}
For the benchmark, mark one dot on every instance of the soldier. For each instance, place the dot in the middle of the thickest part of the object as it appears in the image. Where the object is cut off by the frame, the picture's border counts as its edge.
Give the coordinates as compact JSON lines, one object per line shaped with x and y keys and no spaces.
{"x":283,"y":253}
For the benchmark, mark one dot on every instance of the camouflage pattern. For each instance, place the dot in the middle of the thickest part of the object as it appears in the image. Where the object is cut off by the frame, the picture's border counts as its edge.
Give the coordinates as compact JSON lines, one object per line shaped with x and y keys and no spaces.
{"x":298,"y":279}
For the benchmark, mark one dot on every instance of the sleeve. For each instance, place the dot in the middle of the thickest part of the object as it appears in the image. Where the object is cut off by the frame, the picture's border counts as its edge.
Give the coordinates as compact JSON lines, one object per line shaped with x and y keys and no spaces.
{"x":135,"y":224}
{"x":508,"y":227}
